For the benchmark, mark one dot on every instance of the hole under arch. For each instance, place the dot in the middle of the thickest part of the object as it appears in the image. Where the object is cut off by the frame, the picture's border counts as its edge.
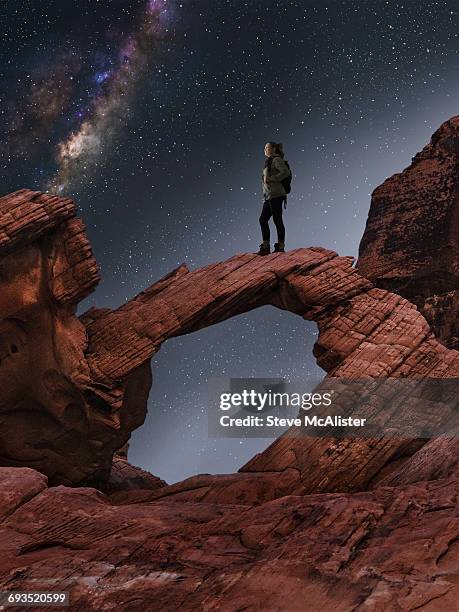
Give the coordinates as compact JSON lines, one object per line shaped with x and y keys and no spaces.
{"x":173,"y":442}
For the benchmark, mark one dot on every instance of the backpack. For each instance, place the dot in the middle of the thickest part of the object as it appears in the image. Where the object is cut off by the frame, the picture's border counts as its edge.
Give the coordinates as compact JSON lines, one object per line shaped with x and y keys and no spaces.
{"x":287,"y":181}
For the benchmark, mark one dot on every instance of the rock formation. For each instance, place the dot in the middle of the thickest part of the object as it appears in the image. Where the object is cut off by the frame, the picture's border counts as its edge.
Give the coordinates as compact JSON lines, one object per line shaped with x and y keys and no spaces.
{"x":309,"y":523}
{"x":394,"y":548}
{"x":90,"y":380}
{"x":411,"y":240}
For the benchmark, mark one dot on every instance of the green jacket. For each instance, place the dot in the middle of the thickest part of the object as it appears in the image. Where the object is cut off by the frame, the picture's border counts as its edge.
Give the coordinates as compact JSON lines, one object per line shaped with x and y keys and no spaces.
{"x":279,"y":171}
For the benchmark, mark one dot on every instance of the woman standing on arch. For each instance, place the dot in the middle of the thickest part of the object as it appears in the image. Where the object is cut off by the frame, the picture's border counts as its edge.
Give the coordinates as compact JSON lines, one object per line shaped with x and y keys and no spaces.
{"x":275,"y":170}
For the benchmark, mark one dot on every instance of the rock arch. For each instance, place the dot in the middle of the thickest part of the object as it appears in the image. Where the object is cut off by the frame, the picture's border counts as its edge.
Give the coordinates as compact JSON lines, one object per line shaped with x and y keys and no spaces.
{"x":100,"y":362}
{"x":362,"y":330}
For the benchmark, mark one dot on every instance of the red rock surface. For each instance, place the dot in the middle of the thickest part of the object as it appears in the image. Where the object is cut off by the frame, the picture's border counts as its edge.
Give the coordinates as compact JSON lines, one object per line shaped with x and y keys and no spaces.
{"x":411,"y":240}
{"x":395,"y":548}
{"x":124,"y":477}
{"x":308,"y":524}
{"x":89,"y":384}
{"x":362,"y":331}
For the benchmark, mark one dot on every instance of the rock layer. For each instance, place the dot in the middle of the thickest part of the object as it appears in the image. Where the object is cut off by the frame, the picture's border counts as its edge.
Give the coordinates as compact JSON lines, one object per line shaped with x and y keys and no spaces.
{"x":395,"y":548}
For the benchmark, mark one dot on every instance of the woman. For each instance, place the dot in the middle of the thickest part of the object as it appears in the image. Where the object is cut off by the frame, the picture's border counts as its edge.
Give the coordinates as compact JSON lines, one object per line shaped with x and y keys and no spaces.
{"x":275,"y":170}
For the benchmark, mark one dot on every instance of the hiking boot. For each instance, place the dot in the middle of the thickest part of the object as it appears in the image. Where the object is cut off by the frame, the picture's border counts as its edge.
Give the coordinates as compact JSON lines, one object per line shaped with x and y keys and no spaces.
{"x":265,"y":249}
{"x":278,"y":248}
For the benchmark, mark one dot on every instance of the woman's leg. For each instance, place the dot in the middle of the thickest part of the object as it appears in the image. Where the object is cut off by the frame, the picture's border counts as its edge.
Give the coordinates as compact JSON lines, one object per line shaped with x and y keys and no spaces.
{"x":264,"y":221}
{"x":276,"y":207}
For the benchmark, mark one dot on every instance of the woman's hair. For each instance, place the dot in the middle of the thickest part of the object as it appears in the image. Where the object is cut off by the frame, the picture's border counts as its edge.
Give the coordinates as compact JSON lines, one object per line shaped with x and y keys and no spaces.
{"x":278,"y":148}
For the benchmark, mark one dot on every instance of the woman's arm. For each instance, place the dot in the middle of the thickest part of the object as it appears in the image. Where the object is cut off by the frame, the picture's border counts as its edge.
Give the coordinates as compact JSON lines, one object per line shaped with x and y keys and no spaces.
{"x":281,"y":169}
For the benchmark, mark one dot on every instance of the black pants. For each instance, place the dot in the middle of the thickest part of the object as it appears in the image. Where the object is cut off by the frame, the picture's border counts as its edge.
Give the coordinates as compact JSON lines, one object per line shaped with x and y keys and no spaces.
{"x":272,"y":208}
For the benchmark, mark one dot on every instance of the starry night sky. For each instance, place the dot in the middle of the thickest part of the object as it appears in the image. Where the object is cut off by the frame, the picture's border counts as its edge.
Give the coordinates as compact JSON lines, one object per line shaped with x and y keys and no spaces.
{"x":153,"y":117}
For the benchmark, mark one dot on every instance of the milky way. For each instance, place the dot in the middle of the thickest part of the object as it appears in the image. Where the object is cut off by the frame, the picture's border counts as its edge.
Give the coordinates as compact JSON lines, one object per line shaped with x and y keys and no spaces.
{"x":85,"y":150}
{"x":32,"y":119}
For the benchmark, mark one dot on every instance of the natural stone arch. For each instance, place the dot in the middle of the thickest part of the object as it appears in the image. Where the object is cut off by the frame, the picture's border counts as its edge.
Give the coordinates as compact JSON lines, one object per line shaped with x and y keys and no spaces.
{"x":362,"y":331}
{"x":95,"y":377}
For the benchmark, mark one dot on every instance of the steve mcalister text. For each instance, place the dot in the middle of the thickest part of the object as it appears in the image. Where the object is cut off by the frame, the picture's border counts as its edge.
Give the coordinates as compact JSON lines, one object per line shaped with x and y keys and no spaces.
{"x":306,"y":421}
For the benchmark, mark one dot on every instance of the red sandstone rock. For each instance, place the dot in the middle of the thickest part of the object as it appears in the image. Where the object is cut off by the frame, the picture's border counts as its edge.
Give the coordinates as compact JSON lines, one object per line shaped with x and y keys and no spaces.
{"x":362,"y":331}
{"x":320,"y":523}
{"x":89,"y":386}
{"x":395,"y":548}
{"x":411,"y":240}
{"x":125,"y":477}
